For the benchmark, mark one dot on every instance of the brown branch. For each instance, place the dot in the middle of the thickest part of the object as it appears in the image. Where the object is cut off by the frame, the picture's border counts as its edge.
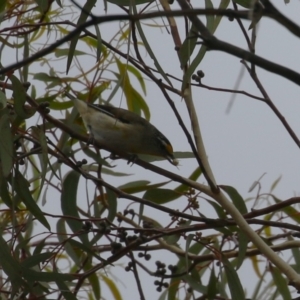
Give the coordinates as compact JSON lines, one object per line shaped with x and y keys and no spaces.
{"x":213,"y":43}
{"x":272,"y":208}
{"x":210,"y":41}
{"x":270,"y":103}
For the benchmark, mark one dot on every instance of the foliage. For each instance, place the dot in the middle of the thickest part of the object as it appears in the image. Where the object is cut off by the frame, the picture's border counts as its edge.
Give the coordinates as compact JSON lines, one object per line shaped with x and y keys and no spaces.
{"x":100,"y":220}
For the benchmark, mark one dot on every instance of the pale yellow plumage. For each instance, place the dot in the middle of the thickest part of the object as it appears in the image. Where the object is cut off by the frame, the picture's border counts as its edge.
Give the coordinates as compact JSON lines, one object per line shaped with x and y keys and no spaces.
{"x":124,"y":130}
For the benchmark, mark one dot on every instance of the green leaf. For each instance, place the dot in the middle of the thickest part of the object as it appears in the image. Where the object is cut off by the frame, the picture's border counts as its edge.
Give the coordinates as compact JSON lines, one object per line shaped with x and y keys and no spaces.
{"x":177,"y":155}
{"x":2,"y":6}
{"x":43,"y":157}
{"x":11,"y":267}
{"x":223,"y":5}
{"x":280,"y":283}
{"x":97,"y":91}
{"x":4,"y":193}
{"x":51,"y":80}
{"x":211,"y":24}
{"x":22,"y":189}
{"x":275,"y":183}
{"x":219,"y":209}
{"x":87,"y":8}
{"x":161,"y":196}
{"x":244,"y":3}
{"x":135,"y":186}
{"x":138,"y":76}
{"x":95,"y":168}
{"x":289,"y":210}
{"x":194,"y":282}
{"x":140,"y":186}
{"x":3,"y":100}
{"x":59,"y":52}
{"x":112,"y":287}
{"x":196,"y":248}
{"x":40,"y":246}
{"x":194,"y":65}
{"x":65,"y":291}
{"x":187,"y":47}
{"x":69,"y":203}
{"x":6,"y":145}
{"x":112,"y":204}
{"x":47,"y":78}
{"x":95,"y":156}
{"x":93,"y":280}
{"x":62,"y":237}
{"x":236,"y":198}
{"x":259,"y":284}
{"x":25,"y":56}
{"x":99,"y":42}
{"x":235,"y":286}
{"x":135,"y":102}
{"x":296,"y":254}
{"x":163,"y":295}
{"x":210,"y":19}
{"x":243,"y":243}
{"x":43,"y":5}
{"x":85,"y":248}
{"x":256,"y":17}
{"x":19,"y":95}
{"x":182,"y":188}
{"x":173,"y":288}
{"x":59,"y":3}
{"x":36,"y":259}
{"x":189,"y":240}
{"x":212,"y":287}
{"x":148,"y":48}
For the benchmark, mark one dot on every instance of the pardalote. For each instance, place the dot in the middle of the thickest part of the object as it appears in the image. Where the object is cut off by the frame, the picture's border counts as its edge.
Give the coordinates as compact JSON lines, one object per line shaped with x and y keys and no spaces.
{"x":123,"y":130}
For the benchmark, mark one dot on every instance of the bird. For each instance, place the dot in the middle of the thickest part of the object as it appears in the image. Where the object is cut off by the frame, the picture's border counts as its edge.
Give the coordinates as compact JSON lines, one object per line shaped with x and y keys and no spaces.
{"x":123,"y":130}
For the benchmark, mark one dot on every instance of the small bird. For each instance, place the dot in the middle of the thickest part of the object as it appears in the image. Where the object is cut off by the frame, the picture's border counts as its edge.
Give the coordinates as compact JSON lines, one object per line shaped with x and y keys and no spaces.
{"x":123,"y":130}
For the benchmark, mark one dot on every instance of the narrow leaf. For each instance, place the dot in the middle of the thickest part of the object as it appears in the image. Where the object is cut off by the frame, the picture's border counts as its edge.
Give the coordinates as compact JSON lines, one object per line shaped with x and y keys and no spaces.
{"x":6,"y":145}
{"x":65,"y":291}
{"x":112,"y":202}
{"x":280,"y":283}
{"x":19,"y":95}
{"x":25,"y":55}
{"x":69,"y":203}
{"x":62,"y":237}
{"x":85,"y":248}
{"x":244,"y":3}
{"x":187,"y":47}
{"x":112,"y":287}
{"x":149,"y":50}
{"x":43,"y":157}
{"x":93,"y":280}
{"x":22,"y":189}
{"x":4,"y":193}
{"x":10,"y":266}
{"x":89,"y":4}
{"x":36,"y":259}
{"x":212,"y":289}
{"x":161,"y":196}
{"x":43,"y":5}
{"x":3,"y":100}
{"x":243,"y":242}
{"x":236,"y":198}
{"x":235,"y":286}
{"x":293,"y":213}
{"x":99,"y":42}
